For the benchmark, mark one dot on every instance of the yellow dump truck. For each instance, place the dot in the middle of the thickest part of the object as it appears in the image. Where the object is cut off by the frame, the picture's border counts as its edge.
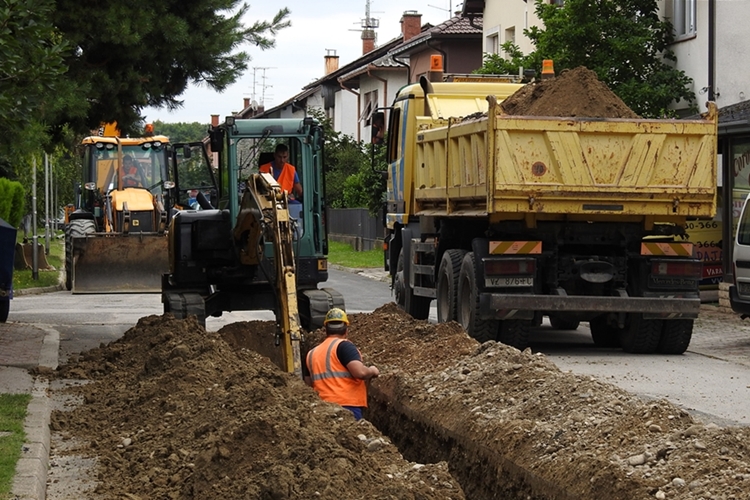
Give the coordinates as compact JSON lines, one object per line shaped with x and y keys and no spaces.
{"x":507,"y":219}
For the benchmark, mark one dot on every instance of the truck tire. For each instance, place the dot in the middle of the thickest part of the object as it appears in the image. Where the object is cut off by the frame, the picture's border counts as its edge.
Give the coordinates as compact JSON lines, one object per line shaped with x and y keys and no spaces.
{"x":604,"y":334}
{"x":468,"y":303}
{"x":417,"y":306}
{"x":447,"y":285}
{"x":515,"y":333}
{"x":76,"y":228}
{"x":675,"y":336}
{"x":640,"y":336}
{"x":559,"y":323}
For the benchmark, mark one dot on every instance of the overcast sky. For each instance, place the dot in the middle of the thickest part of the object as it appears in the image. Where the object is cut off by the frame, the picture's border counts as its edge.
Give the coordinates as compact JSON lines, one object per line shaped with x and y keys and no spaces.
{"x":298,"y":57}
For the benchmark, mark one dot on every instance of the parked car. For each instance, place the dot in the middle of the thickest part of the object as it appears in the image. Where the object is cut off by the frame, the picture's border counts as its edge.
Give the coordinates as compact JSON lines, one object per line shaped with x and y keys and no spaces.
{"x":739,"y":292}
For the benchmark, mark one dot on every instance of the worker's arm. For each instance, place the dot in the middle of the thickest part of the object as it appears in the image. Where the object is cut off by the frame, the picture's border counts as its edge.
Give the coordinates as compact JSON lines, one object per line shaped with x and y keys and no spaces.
{"x":360,"y":371}
{"x":297,"y":189}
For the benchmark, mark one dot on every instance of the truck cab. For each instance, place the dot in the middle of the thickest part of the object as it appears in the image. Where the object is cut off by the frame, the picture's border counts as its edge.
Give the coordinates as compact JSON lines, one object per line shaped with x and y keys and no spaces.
{"x":739,"y":292}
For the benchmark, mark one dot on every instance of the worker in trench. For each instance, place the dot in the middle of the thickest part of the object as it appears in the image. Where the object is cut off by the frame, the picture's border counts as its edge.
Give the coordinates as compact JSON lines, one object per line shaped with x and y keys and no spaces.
{"x":335,"y":368}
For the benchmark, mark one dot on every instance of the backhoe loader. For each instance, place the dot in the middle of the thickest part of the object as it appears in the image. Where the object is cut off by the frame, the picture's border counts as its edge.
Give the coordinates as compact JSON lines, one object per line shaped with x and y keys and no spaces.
{"x":116,"y":235}
{"x":247,"y":246}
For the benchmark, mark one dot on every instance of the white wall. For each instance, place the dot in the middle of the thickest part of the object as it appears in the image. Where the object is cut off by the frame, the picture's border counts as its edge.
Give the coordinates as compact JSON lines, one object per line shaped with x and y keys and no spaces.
{"x":502,"y":15}
{"x":344,"y":114}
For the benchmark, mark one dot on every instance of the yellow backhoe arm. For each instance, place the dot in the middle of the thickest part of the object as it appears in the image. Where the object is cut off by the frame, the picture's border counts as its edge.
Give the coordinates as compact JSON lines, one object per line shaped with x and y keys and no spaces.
{"x":264,"y":212}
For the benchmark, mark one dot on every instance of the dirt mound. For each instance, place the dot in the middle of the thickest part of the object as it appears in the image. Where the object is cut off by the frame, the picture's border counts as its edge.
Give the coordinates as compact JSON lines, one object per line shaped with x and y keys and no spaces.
{"x":175,"y":412}
{"x":575,"y":92}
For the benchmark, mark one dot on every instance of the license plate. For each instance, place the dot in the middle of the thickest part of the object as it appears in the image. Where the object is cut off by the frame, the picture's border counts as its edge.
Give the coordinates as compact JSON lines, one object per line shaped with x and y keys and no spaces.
{"x":744,"y":288}
{"x":509,"y":281}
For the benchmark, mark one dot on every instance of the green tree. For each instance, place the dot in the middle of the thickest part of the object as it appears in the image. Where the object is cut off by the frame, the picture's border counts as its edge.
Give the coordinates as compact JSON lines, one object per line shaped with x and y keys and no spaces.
{"x":182,"y":131}
{"x":131,"y":55}
{"x":495,"y":64}
{"x":623,"y":41}
{"x":32,"y":56}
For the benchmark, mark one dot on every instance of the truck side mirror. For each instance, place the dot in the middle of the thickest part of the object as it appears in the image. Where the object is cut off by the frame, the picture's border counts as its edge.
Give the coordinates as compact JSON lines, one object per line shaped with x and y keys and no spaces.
{"x":216,"y":136}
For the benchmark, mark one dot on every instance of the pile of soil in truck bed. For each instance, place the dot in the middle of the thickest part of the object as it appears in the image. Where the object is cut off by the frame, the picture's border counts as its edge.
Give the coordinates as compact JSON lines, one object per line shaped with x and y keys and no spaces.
{"x":574,"y":93}
{"x":172,"y":411}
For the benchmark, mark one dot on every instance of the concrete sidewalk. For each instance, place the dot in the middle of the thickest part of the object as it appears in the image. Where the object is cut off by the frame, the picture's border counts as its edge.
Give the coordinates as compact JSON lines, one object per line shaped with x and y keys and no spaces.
{"x":24,"y":347}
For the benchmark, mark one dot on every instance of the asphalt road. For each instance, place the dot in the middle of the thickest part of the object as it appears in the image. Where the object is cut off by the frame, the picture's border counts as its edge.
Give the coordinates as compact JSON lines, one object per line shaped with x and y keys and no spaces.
{"x":712,"y":380}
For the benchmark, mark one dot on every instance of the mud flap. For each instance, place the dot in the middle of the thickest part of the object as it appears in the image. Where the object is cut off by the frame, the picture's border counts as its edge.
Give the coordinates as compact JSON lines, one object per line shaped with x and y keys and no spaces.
{"x":119,"y":264}
{"x":315,"y":304}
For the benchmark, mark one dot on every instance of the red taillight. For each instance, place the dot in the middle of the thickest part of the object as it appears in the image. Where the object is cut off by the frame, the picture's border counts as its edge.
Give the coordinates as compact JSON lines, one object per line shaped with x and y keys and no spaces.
{"x":506,"y":267}
{"x":691,"y":269}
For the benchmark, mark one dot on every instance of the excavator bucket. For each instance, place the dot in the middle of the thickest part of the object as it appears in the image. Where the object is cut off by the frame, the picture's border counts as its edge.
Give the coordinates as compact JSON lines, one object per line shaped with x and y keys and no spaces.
{"x":119,"y":264}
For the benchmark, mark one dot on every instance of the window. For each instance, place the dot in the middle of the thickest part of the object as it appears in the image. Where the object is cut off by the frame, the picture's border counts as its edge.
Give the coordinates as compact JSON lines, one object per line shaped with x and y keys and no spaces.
{"x":682,"y":15}
{"x":491,"y":45}
{"x":510,"y":35}
{"x":369,"y":105}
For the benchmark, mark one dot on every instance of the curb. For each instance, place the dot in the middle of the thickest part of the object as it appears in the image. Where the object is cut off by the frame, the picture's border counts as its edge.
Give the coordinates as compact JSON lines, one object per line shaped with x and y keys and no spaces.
{"x":373,"y":273}
{"x":38,"y":290}
{"x":30,"y":480}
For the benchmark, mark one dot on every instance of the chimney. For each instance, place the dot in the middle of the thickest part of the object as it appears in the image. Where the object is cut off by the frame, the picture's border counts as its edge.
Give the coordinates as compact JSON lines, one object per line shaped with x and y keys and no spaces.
{"x":214,"y":120}
{"x":246,"y":103}
{"x":332,"y":61}
{"x":411,"y":24}
{"x":368,"y":40}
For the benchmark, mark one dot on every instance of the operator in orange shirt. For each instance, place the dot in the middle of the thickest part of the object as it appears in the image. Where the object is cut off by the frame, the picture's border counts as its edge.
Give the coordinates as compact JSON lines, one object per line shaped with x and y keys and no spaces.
{"x":284,"y":173}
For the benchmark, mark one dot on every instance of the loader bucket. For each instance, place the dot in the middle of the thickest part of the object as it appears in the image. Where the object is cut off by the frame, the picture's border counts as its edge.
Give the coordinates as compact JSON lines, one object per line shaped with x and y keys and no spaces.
{"x":119,"y":264}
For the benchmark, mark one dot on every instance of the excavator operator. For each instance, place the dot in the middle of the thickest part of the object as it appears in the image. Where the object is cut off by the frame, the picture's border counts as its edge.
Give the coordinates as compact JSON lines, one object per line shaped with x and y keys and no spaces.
{"x":284,"y":173}
{"x":335,"y":369}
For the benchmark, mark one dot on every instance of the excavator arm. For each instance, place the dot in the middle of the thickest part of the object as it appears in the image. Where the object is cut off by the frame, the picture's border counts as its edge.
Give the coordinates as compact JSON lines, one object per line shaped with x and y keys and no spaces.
{"x":264,"y":217}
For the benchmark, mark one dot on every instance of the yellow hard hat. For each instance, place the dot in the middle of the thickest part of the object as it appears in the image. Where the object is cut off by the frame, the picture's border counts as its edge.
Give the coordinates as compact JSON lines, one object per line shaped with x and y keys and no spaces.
{"x":336,"y":315}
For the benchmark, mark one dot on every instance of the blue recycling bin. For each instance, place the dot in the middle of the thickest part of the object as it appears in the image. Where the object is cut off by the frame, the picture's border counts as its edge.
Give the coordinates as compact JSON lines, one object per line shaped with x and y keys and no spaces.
{"x":7,"y":255}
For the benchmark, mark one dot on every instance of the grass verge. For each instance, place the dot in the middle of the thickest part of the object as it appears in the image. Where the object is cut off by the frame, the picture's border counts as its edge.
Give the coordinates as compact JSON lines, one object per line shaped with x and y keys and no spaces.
{"x":23,"y":278}
{"x":343,"y":254}
{"x":12,"y":437}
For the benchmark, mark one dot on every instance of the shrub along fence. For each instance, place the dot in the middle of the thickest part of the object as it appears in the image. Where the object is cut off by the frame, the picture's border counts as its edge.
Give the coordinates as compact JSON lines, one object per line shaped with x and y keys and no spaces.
{"x":355,"y":226}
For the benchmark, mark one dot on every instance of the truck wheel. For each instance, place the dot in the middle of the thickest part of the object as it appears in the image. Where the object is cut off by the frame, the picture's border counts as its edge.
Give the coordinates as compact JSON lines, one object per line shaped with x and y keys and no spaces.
{"x":515,"y":333}
{"x":447,"y":286}
{"x":77,"y":228}
{"x":559,"y":323}
{"x":640,"y":336}
{"x":4,"y":310}
{"x":468,"y":303}
{"x":675,"y":336}
{"x":417,"y":306}
{"x":604,"y":334}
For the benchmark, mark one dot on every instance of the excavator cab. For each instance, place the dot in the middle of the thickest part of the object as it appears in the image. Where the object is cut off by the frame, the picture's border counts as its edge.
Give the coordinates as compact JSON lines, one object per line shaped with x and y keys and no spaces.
{"x":250,"y":247}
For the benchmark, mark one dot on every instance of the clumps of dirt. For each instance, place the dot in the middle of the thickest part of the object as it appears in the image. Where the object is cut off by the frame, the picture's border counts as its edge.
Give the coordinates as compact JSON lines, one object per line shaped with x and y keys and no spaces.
{"x":574,"y":93}
{"x":572,"y":436}
{"x":172,"y":411}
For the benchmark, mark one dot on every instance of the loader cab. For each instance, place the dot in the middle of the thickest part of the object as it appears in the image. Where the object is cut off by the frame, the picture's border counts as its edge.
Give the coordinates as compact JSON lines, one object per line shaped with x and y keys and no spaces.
{"x":739,"y":292}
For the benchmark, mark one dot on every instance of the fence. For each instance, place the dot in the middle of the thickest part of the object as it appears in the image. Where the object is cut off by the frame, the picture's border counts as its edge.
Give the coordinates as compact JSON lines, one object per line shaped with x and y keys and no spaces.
{"x":355,"y":226}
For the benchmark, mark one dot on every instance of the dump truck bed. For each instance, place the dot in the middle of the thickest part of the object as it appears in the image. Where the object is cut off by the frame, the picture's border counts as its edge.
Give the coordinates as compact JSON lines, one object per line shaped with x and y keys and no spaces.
{"x":576,"y":168}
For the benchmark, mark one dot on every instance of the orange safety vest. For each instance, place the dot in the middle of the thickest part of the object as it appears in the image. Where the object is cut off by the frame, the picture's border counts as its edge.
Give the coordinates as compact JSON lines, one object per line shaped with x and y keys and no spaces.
{"x":331,"y":380}
{"x":286,"y":178}
{"x":130,"y":176}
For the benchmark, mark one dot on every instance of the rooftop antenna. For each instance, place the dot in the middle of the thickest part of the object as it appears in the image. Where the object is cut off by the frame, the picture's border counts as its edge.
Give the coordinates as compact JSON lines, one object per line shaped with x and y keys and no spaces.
{"x":368,"y":24}
{"x":263,"y":84}
{"x":449,"y":10}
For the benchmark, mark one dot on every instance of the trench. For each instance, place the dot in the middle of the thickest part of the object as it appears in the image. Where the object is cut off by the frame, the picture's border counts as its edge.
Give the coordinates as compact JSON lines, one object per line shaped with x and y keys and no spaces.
{"x":482,"y":473}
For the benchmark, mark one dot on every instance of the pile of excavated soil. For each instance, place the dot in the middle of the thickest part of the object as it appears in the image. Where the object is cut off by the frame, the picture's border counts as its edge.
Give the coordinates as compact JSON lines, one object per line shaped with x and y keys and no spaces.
{"x":577,"y":92}
{"x":172,"y":411}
